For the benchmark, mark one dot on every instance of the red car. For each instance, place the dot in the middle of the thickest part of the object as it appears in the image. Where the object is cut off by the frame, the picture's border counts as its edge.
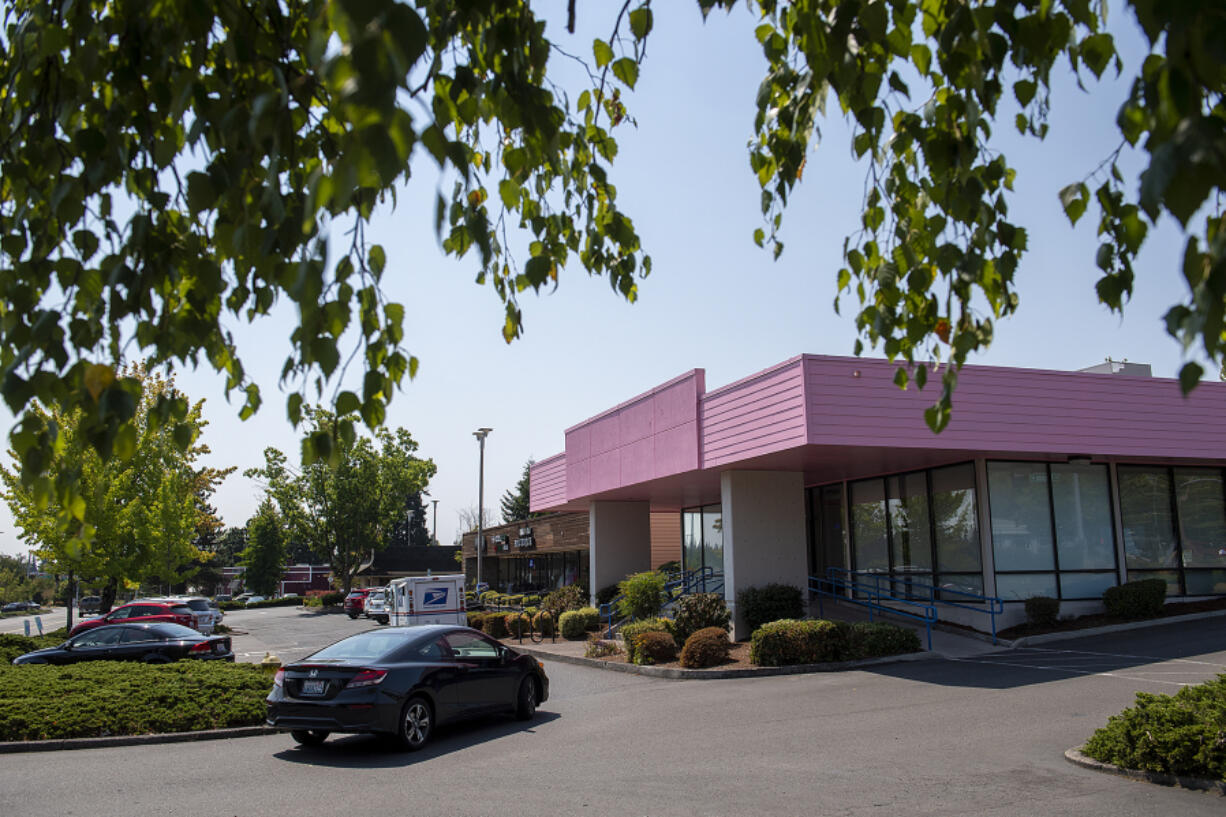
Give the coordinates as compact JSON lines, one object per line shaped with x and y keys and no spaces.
{"x":142,"y":611}
{"x":355,"y":602}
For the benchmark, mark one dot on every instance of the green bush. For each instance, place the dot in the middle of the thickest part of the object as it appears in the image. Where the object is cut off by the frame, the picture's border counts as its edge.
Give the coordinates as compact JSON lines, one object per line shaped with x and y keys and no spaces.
{"x":600,"y":648}
{"x":1140,"y":599}
{"x":1042,"y":611}
{"x":489,"y":597}
{"x":632,"y":631}
{"x":542,"y":622}
{"x":570,"y":597}
{"x":669,"y":567}
{"x":771,"y":602}
{"x":653,"y":647}
{"x":43,"y":701}
{"x":12,"y":645}
{"x":1180,"y":734}
{"x":495,"y":626}
{"x":572,"y":625}
{"x":476,"y":619}
{"x":333,"y":598}
{"x":642,"y":595}
{"x":698,"y":611}
{"x":532,"y":601}
{"x":785,"y":642}
{"x":591,"y":618}
{"x":874,"y":639}
{"x":606,"y":594}
{"x":518,"y":624}
{"x":707,"y":647}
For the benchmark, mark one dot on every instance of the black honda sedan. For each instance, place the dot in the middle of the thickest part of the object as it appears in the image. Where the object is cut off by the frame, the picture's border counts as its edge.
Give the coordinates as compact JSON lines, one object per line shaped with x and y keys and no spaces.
{"x":154,"y":642}
{"x":403,"y":682}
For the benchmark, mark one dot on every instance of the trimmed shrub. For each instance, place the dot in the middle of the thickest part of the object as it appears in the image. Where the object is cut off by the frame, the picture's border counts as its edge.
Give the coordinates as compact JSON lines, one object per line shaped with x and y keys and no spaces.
{"x":1140,"y":599}
{"x":518,"y":624}
{"x":1042,"y":611}
{"x":642,"y":595}
{"x":873,"y":639}
{"x":476,"y":619}
{"x":532,"y":601}
{"x":653,"y":647}
{"x":785,"y":642}
{"x":570,"y":597}
{"x":495,"y":626}
{"x":600,"y":648}
{"x":770,"y":602}
{"x":572,"y":625}
{"x":333,"y":598}
{"x":1174,"y":734}
{"x":669,"y":567}
{"x":632,"y":631}
{"x":542,"y":622}
{"x":699,"y":611}
{"x":489,"y":597}
{"x":707,"y":647}
{"x":591,"y":617}
{"x":606,"y":594}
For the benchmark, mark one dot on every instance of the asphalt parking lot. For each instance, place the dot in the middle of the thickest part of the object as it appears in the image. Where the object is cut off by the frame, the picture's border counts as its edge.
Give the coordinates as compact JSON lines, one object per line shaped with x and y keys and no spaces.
{"x":979,"y":736}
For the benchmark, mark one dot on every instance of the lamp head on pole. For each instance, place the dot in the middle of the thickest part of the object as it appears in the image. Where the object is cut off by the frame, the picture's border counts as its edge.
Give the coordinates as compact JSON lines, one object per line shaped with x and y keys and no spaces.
{"x":482,"y":433}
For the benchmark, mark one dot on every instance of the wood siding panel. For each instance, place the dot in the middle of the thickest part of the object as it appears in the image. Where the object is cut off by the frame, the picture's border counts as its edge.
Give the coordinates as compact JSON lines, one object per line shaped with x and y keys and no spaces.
{"x":665,"y":538}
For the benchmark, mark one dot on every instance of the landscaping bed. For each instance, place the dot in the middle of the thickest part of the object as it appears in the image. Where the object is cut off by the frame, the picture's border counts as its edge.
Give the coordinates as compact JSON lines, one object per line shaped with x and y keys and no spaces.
{"x":1104,"y":620}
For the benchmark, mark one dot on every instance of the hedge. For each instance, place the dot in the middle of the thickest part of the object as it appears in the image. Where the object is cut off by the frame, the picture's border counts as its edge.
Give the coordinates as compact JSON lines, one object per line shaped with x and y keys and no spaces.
{"x":1042,"y":611}
{"x":1140,"y":599}
{"x":1180,"y":734}
{"x":786,"y":642}
{"x":571,"y":624}
{"x":632,"y":631}
{"x":706,"y":648}
{"x":99,"y":698}
{"x":699,"y":611}
{"x":771,"y":602}
{"x":654,"y":646}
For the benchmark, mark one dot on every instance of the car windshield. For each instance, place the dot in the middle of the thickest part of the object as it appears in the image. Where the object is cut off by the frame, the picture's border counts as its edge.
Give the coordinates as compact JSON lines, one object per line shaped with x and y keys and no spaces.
{"x":363,"y":647}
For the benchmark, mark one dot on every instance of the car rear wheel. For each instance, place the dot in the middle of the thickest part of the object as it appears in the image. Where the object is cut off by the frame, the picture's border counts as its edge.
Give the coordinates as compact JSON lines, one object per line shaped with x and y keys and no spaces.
{"x":416,"y":724}
{"x":353,"y":615}
{"x":525,"y":706}
{"x":309,"y":737}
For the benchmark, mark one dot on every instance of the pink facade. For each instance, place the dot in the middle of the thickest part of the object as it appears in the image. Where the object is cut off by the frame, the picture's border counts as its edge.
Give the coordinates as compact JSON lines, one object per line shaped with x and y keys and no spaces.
{"x":839,"y":418}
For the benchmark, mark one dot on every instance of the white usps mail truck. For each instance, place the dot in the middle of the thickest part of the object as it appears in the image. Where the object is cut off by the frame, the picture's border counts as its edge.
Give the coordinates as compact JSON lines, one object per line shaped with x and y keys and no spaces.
{"x":427,"y":600}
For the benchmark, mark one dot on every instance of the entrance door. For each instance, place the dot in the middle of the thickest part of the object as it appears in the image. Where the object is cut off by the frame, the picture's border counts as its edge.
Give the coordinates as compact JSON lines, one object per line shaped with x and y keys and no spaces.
{"x":827,"y":550}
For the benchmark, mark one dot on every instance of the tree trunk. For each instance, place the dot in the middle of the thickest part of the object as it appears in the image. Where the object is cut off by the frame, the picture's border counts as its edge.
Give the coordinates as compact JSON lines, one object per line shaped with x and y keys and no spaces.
{"x":72,"y":597}
{"x":109,"y":590}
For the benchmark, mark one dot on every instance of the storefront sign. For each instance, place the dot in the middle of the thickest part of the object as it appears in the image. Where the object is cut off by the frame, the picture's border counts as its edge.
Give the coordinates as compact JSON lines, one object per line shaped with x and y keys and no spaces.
{"x":502,"y":543}
{"x":526,"y":540}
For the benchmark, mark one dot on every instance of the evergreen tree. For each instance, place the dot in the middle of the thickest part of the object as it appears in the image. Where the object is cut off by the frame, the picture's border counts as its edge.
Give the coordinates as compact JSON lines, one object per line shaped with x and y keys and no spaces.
{"x":264,"y":557}
{"x":515,"y":501}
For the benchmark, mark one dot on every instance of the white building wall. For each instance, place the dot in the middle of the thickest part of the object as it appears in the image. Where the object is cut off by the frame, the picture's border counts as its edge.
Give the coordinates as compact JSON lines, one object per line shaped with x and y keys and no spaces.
{"x":620,"y":536}
{"x":764,"y":534}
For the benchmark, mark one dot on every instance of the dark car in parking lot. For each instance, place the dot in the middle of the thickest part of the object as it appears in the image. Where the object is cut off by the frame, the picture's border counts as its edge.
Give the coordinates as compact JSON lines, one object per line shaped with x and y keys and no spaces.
{"x":155,"y":642}
{"x":89,"y":604}
{"x":19,"y":607}
{"x":403,"y":682}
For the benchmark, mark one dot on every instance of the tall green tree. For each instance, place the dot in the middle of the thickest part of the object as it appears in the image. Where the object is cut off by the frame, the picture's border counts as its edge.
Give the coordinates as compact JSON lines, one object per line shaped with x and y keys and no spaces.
{"x":243,"y":135}
{"x":138,"y":510}
{"x":515,"y":502}
{"x":264,"y":557}
{"x":346,"y":507}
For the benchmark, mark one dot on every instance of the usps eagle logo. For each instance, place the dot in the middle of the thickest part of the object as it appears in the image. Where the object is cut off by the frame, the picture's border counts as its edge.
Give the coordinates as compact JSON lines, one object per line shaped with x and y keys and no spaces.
{"x":434,"y":597}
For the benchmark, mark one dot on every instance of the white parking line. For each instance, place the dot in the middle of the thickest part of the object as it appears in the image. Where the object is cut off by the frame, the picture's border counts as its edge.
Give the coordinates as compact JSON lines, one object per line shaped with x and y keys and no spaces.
{"x":1156,"y":658}
{"x":1073,"y":671}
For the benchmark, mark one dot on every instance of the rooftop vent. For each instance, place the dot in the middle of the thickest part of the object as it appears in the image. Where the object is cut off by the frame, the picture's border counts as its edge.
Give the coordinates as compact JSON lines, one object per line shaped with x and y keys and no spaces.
{"x":1121,"y":367}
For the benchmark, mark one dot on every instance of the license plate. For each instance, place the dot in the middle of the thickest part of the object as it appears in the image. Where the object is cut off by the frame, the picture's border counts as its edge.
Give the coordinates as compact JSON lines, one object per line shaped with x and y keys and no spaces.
{"x":314,"y":687}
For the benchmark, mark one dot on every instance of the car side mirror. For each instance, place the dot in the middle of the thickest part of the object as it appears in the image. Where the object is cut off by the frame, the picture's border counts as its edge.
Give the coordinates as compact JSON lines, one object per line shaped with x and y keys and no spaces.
{"x":67,"y":645}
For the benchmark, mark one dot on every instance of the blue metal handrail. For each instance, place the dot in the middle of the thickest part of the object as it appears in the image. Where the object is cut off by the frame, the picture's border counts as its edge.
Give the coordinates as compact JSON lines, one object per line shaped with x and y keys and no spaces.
{"x":688,"y":581}
{"x":991,"y":606}
{"x":836,"y":588}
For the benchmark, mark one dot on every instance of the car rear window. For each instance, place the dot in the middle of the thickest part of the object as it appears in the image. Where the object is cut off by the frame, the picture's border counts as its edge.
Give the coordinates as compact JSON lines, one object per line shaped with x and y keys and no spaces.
{"x":165,"y":629}
{"x":180,"y":609}
{"x":198,"y":604}
{"x":371,"y":646}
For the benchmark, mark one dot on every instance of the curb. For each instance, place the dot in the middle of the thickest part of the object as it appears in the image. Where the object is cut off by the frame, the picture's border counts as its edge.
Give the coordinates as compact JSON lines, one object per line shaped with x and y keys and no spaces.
{"x":1065,"y":635}
{"x":677,"y":674}
{"x":11,"y":747}
{"x":1075,"y":757}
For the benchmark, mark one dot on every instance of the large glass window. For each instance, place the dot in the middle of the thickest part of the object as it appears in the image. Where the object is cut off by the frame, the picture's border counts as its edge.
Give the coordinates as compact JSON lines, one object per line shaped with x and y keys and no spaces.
{"x":702,"y":541}
{"x":919,"y":527}
{"x":826,"y":517}
{"x":1175,"y":527}
{"x":1052,"y":529}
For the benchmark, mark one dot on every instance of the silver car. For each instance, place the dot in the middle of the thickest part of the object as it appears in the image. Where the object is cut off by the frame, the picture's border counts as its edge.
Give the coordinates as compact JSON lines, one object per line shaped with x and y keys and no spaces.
{"x":376,"y":606}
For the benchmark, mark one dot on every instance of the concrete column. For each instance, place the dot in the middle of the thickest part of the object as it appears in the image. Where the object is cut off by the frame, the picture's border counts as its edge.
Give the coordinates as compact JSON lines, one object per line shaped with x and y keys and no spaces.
{"x":620,"y":541}
{"x":764,"y":534}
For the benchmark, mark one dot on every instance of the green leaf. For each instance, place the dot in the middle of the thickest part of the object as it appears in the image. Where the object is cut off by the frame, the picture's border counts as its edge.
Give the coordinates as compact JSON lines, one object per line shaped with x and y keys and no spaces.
{"x":1189,"y":376}
{"x":1024,"y":90}
{"x":627,"y":70}
{"x":509,"y":191}
{"x":640,"y":22}
{"x":1074,"y":198}
{"x":602,"y":53}
{"x":377,"y":258}
{"x":347,"y":403}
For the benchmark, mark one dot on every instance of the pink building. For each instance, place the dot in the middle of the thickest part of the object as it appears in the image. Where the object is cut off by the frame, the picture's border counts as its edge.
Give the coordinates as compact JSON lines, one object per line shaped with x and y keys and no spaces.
{"x":1045,"y":483}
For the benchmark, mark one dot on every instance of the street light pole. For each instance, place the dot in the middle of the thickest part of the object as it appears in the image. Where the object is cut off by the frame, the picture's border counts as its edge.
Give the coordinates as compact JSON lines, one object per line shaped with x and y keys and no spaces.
{"x":434,"y":533}
{"x":480,"y":434}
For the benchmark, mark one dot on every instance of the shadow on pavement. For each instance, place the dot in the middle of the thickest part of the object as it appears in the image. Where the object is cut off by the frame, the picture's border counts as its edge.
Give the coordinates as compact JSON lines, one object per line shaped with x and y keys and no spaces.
{"x":1189,"y":652}
{"x":380,"y":752}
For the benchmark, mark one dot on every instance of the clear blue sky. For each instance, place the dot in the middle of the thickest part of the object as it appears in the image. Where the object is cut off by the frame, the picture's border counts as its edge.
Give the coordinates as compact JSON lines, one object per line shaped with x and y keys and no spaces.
{"x":714,"y":300}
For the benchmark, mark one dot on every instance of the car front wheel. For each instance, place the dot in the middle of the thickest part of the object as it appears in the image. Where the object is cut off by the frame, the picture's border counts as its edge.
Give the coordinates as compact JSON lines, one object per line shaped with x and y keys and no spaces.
{"x":309,"y":737}
{"x":525,"y":706}
{"x":416,"y":724}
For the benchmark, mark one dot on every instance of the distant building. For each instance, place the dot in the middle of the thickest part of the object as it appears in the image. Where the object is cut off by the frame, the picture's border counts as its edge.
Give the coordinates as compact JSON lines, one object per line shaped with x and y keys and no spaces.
{"x":297,"y":579}
{"x":398,"y":561}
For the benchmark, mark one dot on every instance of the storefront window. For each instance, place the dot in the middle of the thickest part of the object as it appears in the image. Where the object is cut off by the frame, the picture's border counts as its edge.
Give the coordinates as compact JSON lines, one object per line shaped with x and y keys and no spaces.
{"x":910,"y":532}
{"x":869,"y":536}
{"x":1145,"y":509}
{"x":1021,"y":517}
{"x":1202,"y":516}
{"x":1081,"y":502}
{"x":713,"y":539}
